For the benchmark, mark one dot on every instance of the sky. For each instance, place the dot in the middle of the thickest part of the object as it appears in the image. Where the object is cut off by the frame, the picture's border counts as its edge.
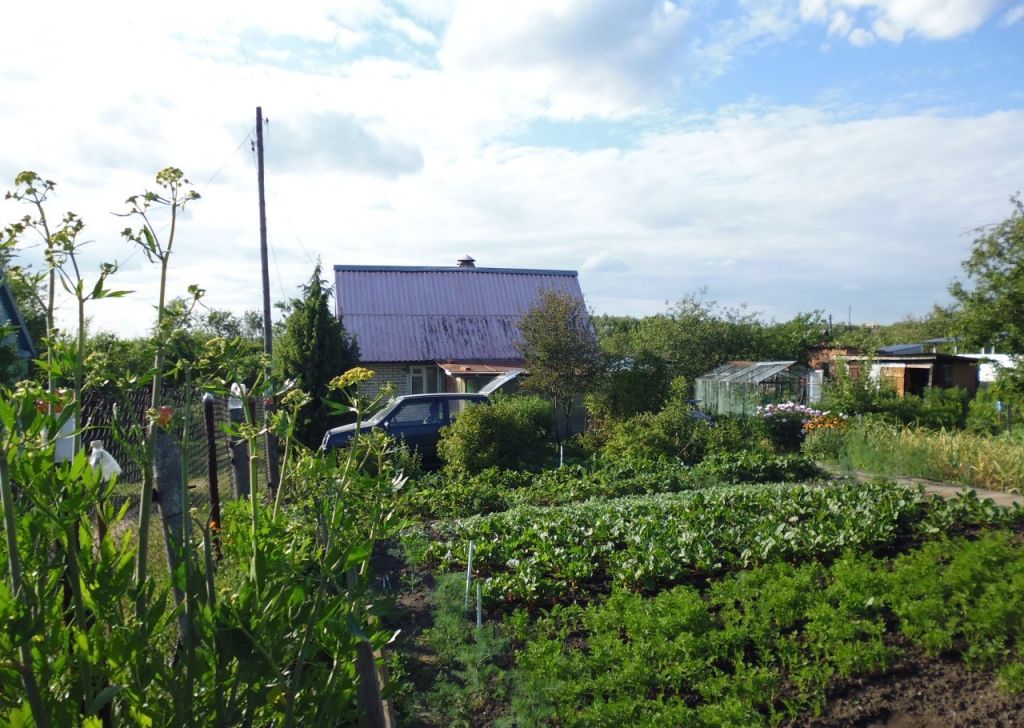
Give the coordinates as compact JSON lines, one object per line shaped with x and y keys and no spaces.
{"x":786,"y":155}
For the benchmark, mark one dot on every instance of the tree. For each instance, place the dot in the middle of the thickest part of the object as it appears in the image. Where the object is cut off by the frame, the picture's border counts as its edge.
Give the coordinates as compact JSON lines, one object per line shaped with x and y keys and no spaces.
{"x":315,"y":348}
{"x":992,"y":311}
{"x":561,"y":352}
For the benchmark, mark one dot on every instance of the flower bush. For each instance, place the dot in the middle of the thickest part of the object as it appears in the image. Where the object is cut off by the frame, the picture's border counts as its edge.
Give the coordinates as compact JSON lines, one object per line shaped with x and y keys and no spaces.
{"x":784,"y":423}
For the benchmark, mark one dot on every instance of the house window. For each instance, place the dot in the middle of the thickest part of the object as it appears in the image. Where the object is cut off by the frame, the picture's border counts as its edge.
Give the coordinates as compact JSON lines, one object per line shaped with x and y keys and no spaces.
{"x":418,"y":380}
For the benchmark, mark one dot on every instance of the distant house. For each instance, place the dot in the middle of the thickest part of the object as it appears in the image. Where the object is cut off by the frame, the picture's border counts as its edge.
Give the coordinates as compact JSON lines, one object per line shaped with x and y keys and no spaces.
{"x":824,"y":358}
{"x":437,"y":329}
{"x":912,"y":373}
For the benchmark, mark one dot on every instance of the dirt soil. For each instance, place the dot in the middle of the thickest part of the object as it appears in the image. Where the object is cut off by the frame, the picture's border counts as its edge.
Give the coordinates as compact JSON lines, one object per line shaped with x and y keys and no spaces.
{"x":920,"y":692}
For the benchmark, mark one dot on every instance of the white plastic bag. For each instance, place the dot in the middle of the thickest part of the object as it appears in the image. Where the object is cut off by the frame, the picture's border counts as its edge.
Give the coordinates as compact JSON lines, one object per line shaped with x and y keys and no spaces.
{"x":103,"y":461}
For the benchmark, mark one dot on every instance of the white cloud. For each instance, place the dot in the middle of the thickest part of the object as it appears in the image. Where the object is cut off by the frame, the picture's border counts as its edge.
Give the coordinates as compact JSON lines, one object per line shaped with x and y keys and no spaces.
{"x":814,"y":10}
{"x":605,"y":262}
{"x":572,"y":58}
{"x":395,"y":156}
{"x":893,"y":20}
{"x":840,"y":24}
{"x":759,"y":23}
{"x":861,"y":38}
{"x":1013,"y":16}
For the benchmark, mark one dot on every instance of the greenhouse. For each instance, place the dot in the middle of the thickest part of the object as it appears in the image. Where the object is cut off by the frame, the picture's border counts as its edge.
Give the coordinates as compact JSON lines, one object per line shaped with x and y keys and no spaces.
{"x":738,"y":387}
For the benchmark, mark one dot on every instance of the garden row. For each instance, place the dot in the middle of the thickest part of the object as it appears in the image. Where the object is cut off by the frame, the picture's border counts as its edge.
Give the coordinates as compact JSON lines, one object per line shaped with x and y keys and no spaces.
{"x":763,"y":646}
{"x":456,"y":495}
{"x":575,"y":552}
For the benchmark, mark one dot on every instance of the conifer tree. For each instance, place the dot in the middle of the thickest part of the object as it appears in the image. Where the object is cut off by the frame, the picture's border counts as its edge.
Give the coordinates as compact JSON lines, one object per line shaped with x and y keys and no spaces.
{"x":315,"y":349}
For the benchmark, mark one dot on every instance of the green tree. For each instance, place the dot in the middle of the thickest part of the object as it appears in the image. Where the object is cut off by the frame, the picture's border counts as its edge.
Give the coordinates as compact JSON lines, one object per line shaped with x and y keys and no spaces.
{"x":940,"y":322}
{"x":992,"y":309}
{"x":561,"y":351}
{"x":315,"y":348}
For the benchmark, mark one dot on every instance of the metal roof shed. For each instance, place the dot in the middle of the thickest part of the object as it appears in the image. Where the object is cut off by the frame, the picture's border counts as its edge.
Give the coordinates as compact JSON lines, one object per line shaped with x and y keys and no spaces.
{"x":738,"y":387}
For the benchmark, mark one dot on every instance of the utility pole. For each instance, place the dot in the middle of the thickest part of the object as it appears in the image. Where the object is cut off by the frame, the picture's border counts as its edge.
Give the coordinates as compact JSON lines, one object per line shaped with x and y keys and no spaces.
{"x":268,"y":344}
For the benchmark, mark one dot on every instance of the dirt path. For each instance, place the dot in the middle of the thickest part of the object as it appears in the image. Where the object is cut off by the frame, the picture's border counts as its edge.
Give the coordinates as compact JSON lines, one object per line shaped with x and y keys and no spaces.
{"x":946,"y":490}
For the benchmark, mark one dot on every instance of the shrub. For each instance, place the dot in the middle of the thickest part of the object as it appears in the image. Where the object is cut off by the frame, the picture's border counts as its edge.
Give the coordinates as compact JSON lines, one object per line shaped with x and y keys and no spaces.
{"x":670,"y":433}
{"x":982,"y":414}
{"x":784,"y":424}
{"x":511,"y":433}
{"x":733,"y":434}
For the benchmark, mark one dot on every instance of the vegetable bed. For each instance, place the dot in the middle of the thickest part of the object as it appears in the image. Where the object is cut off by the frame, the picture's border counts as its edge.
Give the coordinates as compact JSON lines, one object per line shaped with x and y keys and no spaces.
{"x":567,"y":553}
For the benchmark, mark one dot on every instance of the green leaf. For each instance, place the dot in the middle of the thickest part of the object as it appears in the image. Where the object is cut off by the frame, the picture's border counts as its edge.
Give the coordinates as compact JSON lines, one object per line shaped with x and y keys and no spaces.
{"x":103,"y":697}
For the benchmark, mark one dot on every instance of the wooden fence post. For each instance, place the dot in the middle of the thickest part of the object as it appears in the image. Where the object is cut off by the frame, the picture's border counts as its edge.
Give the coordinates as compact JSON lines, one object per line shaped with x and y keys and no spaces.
{"x":172,"y":512}
{"x":376,"y":713}
{"x":239,"y":457}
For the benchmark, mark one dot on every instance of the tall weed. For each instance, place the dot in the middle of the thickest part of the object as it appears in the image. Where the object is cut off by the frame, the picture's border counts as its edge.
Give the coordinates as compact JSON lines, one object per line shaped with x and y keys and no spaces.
{"x":985,"y":461}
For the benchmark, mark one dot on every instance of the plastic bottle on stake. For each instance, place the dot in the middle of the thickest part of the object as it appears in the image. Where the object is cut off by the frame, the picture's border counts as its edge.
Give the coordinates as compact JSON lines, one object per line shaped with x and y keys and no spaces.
{"x":102,"y":461}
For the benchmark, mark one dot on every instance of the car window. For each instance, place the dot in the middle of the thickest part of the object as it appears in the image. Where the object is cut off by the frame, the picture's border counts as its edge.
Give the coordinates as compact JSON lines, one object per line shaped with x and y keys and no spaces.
{"x":419,"y":413}
{"x":457,"y":406}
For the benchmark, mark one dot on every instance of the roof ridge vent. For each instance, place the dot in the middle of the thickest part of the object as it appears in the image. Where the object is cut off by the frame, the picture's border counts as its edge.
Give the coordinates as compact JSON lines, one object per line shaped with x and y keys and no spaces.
{"x":467,"y":262}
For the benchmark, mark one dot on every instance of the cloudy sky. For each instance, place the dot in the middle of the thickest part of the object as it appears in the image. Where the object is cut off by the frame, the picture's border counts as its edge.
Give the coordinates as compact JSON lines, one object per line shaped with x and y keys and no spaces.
{"x":790,"y":155}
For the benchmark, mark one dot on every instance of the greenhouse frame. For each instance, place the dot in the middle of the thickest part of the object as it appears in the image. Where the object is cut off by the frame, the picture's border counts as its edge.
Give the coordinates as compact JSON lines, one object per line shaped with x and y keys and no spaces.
{"x":738,"y":387}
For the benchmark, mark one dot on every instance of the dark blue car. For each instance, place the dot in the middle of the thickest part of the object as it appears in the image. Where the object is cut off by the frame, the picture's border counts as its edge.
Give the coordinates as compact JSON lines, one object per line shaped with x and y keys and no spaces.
{"x":417,"y":419}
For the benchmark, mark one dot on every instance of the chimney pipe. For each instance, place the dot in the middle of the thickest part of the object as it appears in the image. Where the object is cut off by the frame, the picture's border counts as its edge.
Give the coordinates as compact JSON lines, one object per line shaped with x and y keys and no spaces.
{"x":467,"y":262}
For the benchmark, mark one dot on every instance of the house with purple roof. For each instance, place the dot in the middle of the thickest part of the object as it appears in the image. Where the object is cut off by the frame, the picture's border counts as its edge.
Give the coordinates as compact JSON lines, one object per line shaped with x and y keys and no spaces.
{"x":437,"y":329}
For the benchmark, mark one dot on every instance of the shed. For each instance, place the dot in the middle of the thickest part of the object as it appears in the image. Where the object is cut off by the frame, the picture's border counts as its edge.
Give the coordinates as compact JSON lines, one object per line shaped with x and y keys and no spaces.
{"x":913,"y":373}
{"x":738,"y":387}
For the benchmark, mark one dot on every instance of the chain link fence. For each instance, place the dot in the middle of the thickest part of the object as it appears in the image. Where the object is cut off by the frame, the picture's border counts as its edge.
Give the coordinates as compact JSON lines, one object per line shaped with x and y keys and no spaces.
{"x":121,"y":425}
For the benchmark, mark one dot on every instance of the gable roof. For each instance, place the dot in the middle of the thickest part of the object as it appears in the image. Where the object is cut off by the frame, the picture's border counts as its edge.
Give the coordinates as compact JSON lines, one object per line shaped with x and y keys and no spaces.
{"x":751,"y":371}
{"x":410,"y":313}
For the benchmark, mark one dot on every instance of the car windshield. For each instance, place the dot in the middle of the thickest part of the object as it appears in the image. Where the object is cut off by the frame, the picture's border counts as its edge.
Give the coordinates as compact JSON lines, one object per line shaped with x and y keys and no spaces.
{"x":376,"y":418}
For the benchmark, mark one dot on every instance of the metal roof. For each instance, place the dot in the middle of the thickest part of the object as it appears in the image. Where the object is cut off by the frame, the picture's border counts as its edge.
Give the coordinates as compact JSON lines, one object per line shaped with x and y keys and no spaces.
{"x":405,"y":313}
{"x":900,"y":349}
{"x":935,"y":356}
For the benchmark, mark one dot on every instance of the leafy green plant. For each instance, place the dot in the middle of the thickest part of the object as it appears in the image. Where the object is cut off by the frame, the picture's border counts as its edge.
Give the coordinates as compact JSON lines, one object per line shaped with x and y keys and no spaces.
{"x":266,"y":636}
{"x":755,"y":467}
{"x":763,"y":646}
{"x":535,"y":555}
{"x":510,"y":433}
{"x":471,"y":660}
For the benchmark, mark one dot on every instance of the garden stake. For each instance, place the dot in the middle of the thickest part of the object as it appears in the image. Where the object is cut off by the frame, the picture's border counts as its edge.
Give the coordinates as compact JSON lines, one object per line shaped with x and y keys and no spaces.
{"x":469,"y":574}
{"x":211,"y":469}
{"x":479,"y":606}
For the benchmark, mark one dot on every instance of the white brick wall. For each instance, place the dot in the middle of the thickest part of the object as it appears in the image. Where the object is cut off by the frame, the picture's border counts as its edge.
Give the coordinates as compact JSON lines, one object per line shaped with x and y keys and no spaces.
{"x":385,"y":373}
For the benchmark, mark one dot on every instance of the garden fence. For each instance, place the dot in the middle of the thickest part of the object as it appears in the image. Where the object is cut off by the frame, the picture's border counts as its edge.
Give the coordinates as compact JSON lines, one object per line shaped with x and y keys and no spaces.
{"x":125,"y":441}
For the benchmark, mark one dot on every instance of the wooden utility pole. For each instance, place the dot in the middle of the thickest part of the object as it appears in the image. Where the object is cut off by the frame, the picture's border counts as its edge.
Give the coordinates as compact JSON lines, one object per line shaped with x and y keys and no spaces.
{"x":268,"y":344}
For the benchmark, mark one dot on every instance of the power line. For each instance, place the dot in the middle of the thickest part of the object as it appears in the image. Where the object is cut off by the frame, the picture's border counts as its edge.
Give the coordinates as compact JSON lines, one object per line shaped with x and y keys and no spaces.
{"x":220,"y":169}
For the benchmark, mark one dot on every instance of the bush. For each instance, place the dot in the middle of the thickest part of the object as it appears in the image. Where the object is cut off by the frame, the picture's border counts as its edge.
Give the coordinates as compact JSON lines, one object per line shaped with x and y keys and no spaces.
{"x":733,"y":434}
{"x":983,"y":415}
{"x":784,"y":424}
{"x":511,"y":433}
{"x":938,"y":409}
{"x":670,"y":433}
